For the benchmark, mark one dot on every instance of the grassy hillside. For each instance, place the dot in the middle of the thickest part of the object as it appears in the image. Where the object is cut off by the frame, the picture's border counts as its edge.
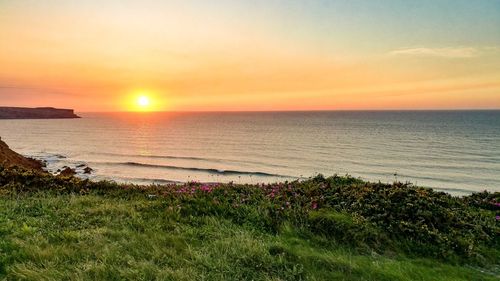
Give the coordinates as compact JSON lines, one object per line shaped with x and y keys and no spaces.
{"x":336,"y":228}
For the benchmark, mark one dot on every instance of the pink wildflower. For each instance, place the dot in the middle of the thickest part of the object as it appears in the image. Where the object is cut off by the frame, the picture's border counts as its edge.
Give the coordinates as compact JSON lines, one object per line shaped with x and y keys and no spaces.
{"x":314,"y":205}
{"x":206,"y":188}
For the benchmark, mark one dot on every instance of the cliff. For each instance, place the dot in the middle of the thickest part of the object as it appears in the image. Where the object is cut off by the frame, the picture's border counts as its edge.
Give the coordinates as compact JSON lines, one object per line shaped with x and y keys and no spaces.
{"x":9,"y":158}
{"x":36,"y":113}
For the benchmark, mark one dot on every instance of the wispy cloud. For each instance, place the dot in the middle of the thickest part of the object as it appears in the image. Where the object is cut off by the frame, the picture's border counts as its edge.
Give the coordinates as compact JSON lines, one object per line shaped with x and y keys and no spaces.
{"x":16,"y":90}
{"x":448,"y":52}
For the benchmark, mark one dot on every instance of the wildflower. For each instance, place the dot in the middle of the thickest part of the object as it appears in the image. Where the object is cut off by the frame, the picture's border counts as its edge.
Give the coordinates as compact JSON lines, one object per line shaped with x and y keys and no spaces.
{"x":497,"y":217}
{"x":206,"y":188}
{"x":314,"y":205}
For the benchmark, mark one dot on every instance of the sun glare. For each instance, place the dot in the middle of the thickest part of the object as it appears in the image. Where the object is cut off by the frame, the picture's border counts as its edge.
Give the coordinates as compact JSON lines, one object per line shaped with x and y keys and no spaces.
{"x":143,"y":101}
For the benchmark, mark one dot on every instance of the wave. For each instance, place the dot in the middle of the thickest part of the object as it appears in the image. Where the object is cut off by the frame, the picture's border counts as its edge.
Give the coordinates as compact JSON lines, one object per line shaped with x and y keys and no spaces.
{"x":455,"y":190}
{"x":161,"y":156}
{"x":148,"y":180}
{"x":46,"y":156}
{"x":195,"y":169}
{"x":218,"y":160}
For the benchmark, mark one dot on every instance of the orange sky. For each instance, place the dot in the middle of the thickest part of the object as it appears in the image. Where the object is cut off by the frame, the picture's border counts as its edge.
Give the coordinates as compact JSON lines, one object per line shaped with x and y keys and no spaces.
{"x":187,"y":55}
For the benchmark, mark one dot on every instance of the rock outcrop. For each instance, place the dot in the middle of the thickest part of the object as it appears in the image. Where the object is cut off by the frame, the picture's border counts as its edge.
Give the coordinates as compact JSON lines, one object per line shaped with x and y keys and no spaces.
{"x":9,"y":158}
{"x":87,"y":170}
{"x":67,"y":172}
{"x":36,"y":113}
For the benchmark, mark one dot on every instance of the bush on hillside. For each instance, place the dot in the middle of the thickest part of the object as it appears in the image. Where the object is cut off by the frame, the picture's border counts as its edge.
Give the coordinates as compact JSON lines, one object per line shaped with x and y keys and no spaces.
{"x":367,"y":216}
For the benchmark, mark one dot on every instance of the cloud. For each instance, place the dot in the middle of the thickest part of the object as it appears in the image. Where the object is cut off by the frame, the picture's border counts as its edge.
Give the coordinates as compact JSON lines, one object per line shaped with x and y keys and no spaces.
{"x":17,"y":90}
{"x":448,"y":52}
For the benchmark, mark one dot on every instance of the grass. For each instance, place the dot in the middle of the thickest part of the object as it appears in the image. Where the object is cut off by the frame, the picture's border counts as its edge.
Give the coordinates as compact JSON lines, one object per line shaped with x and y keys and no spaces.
{"x":105,"y":231}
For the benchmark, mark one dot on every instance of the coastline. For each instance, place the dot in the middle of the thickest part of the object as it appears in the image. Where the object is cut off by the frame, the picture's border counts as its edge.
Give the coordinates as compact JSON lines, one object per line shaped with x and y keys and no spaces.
{"x":52,"y":166}
{"x":83,"y":170}
{"x":54,"y":163}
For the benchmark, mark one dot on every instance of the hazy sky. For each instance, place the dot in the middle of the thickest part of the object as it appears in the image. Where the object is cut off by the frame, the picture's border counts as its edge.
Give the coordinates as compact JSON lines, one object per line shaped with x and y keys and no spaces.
{"x":250,"y":55}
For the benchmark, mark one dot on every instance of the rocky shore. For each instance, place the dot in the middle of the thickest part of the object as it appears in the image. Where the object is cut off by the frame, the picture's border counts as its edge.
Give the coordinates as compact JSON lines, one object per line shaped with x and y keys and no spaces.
{"x":9,"y":158}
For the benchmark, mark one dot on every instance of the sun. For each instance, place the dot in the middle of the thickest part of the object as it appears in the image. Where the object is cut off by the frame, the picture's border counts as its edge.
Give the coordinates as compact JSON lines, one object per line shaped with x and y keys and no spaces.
{"x":143,"y":102}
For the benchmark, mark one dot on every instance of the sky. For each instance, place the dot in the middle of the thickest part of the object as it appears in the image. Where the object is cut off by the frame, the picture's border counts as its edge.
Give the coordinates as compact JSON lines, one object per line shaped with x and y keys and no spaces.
{"x":229,"y":55}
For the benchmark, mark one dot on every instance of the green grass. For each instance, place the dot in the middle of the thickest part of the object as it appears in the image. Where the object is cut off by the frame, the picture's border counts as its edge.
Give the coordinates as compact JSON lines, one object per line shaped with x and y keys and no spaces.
{"x":94,"y":237}
{"x":117,"y":232}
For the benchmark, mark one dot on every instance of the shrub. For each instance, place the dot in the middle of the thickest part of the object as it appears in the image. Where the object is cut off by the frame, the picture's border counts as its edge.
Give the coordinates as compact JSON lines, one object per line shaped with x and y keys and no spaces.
{"x":347,"y":229}
{"x":400,"y":217}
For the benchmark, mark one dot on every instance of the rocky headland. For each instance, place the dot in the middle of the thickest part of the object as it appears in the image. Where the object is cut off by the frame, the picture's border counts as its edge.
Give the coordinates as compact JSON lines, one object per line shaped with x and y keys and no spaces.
{"x":36,"y":113}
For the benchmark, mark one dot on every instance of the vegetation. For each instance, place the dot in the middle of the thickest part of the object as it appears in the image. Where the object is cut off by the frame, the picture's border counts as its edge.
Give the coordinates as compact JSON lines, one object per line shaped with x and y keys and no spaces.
{"x":336,"y":228}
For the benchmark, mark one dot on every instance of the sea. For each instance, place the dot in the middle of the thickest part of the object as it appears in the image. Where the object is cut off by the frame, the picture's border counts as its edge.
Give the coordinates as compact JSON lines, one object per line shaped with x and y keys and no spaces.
{"x":452,"y":151}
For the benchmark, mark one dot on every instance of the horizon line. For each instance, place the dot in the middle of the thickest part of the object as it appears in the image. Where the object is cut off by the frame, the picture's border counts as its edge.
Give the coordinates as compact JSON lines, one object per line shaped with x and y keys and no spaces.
{"x":284,"y":111}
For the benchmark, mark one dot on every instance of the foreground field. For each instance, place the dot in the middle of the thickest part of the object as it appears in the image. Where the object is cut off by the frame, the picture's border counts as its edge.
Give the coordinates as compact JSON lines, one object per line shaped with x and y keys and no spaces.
{"x":337,"y":228}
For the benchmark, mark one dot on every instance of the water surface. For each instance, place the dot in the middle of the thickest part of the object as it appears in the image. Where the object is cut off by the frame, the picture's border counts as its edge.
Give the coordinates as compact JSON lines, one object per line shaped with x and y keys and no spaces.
{"x":456,"y":151}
